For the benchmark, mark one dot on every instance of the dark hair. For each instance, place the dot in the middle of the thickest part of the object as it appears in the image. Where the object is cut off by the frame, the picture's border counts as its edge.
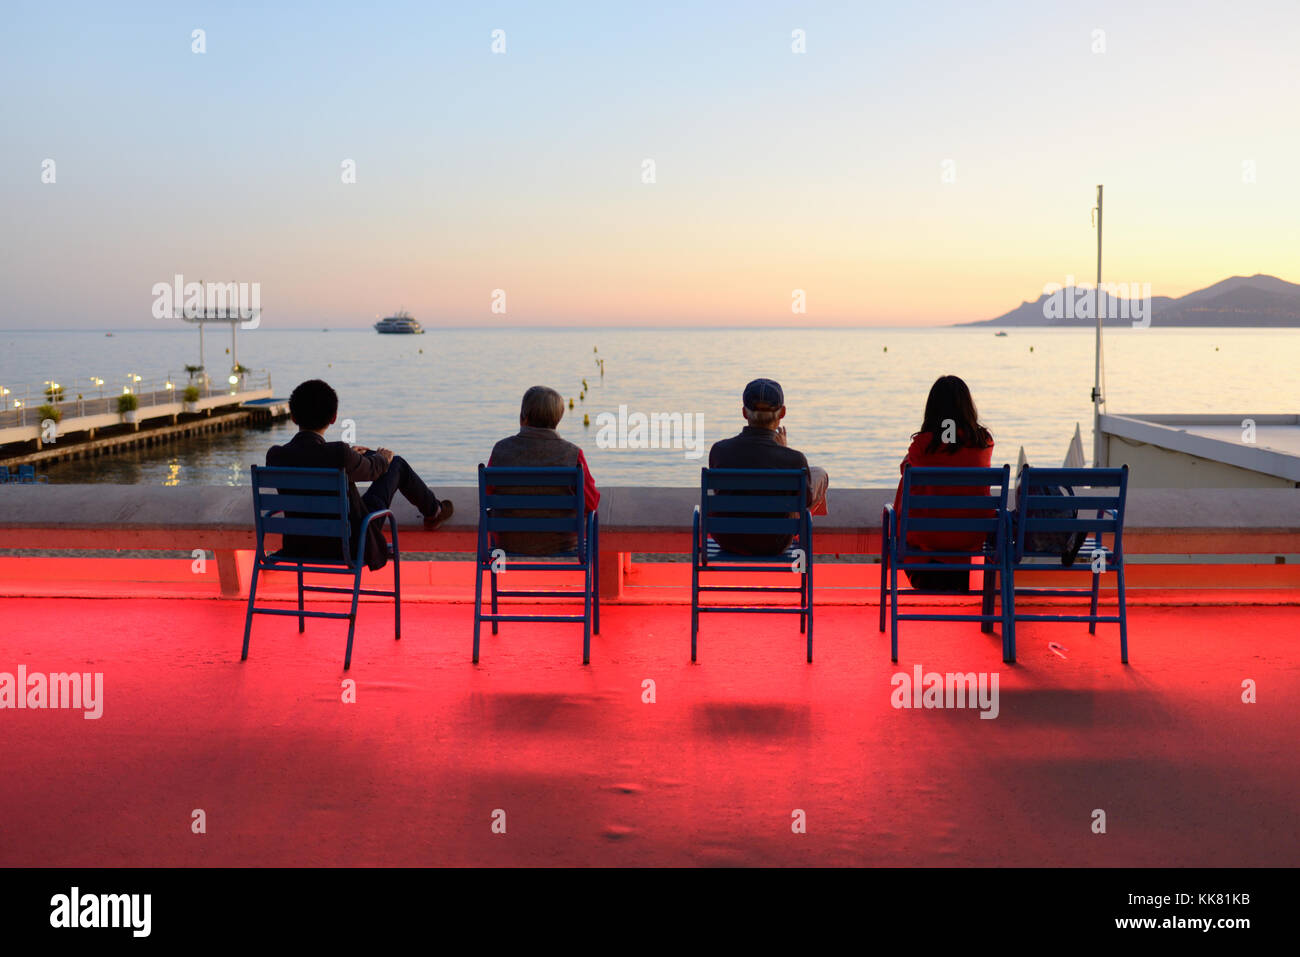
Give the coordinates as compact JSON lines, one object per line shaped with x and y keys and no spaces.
{"x":950,"y":401}
{"x":542,"y":408}
{"x":313,"y":404}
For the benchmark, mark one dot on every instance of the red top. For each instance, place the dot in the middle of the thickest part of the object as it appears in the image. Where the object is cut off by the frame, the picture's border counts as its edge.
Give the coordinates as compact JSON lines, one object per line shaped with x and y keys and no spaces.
{"x":591,"y":494}
{"x":964,"y":457}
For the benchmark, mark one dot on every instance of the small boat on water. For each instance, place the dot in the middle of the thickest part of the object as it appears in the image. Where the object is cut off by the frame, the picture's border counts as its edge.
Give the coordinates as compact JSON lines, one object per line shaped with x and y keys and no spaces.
{"x":1000,"y":335}
{"x":400,"y":323}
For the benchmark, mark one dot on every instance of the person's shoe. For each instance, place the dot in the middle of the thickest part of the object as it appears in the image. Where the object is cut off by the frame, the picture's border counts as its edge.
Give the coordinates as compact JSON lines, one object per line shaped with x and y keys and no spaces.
{"x":445,"y":508}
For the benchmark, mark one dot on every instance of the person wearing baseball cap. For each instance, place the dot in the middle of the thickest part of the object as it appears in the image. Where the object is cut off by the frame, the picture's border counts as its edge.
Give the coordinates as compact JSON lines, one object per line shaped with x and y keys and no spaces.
{"x":762,"y":444}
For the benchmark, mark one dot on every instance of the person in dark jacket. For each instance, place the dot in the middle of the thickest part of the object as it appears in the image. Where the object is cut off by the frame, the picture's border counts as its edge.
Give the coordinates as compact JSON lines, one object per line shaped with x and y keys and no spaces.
{"x":314,"y":406}
{"x":762,"y":444}
{"x":539,"y":445}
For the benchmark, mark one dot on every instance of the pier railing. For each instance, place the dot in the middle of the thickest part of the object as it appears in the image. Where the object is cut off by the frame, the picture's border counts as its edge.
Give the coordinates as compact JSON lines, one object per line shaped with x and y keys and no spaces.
{"x":20,"y":405}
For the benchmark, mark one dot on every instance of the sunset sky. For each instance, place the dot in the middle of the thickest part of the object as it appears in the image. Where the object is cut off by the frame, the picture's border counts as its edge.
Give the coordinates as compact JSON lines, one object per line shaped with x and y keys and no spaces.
{"x":523,"y":170}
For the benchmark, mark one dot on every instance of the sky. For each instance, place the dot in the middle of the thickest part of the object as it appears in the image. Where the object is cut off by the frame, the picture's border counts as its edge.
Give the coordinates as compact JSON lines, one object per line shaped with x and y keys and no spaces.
{"x":916,"y":164}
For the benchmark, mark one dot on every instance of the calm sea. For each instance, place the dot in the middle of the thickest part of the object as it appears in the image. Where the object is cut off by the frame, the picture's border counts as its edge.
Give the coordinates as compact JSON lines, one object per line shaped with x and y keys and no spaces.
{"x":854,"y":395}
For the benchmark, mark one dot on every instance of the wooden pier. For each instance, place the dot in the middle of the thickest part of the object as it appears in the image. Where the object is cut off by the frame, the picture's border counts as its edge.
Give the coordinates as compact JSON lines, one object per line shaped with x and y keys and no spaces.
{"x":94,"y":431}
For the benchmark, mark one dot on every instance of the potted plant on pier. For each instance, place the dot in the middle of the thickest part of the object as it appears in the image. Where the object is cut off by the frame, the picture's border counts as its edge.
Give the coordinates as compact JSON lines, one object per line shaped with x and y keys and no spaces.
{"x":50,"y":411}
{"x":127,"y":403}
{"x":191,"y":398}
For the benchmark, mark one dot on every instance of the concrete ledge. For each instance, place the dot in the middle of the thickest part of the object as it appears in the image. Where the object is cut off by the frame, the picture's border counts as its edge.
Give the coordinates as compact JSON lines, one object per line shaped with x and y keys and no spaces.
{"x":134,"y":516}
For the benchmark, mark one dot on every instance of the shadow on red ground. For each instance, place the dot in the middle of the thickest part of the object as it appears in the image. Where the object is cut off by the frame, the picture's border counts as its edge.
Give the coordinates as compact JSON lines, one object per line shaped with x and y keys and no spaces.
{"x":588,"y":773}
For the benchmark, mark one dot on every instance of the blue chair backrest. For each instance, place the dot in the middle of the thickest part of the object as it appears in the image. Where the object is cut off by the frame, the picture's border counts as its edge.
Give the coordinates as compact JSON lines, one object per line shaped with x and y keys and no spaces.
{"x":1100,"y":505}
{"x":533,"y":489}
{"x":4,"y":475}
{"x":27,"y":474}
{"x":303,"y":502}
{"x":933,"y":491}
{"x":753,"y":501}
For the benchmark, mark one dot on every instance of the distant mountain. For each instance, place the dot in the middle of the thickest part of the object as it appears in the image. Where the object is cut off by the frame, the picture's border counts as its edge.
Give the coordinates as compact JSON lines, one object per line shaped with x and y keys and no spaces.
{"x":1244,"y":301}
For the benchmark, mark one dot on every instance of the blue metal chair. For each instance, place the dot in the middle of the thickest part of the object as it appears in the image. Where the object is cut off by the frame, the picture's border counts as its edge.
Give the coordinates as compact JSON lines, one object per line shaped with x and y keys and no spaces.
{"x":753,"y":502}
{"x":314,"y":503}
{"x":1105,"y":495}
{"x":27,"y":476}
{"x":505,"y":497}
{"x":919,"y":511}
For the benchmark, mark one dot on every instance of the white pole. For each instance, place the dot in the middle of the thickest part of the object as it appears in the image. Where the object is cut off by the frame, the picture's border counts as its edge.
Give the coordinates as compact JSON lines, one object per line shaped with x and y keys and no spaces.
{"x":1099,"y":456}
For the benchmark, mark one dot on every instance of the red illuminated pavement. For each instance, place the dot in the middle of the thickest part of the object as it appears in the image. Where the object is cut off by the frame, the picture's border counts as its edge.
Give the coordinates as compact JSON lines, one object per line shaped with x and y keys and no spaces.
{"x":589,"y":774}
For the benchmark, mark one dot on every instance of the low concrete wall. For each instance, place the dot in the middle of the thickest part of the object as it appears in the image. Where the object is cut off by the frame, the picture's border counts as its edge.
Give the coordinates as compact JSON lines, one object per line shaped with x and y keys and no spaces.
{"x":1234,"y":521}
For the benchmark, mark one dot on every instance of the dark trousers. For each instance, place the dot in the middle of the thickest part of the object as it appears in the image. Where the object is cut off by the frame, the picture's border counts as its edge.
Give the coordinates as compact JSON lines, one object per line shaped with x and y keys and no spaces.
{"x":400,"y":477}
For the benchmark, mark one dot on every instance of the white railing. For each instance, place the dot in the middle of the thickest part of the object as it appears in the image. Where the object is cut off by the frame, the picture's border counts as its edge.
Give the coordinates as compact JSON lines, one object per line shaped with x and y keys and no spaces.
{"x":92,"y":395}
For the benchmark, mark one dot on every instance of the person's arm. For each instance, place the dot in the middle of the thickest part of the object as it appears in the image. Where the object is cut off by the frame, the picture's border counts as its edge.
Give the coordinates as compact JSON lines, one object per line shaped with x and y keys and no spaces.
{"x":364,"y":468}
{"x":590,"y":494}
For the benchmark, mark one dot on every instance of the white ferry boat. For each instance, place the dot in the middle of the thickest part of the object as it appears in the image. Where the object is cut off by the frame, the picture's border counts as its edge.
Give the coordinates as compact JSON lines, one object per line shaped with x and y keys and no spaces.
{"x":400,"y":322}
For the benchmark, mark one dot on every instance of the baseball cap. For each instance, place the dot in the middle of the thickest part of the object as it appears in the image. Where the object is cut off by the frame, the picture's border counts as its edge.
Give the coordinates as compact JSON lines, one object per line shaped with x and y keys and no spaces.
{"x":764,"y":394}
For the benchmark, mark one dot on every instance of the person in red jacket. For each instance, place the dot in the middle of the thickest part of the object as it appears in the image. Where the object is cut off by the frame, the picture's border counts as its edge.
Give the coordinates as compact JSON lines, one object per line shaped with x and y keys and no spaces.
{"x":950,"y":437}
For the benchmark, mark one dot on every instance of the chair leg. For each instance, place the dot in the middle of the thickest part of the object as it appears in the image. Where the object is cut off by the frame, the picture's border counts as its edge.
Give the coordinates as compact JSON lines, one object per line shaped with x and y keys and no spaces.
{"x":397,"y":598}
{"x":1092,"y":610}
{"x":1123,"y":617}
{"x":809,"y":604}
{"x":302,"y":621}
{"x":695,"y":603}
{"x":803,"y":602}
{"x":595,"y":589}
{"x":248,"y":619}
{"x":586,"y":618}
{"x":893,"y":620}
{"x":595,"y":607}
{"x":494,"y":599}
{"x":990,"y":582}
{"x":352,"y":620}
{"x":1008,"y":615}
{"x":884,"y":584}
{"x":478,"y":605}
{"x":804,"y":597}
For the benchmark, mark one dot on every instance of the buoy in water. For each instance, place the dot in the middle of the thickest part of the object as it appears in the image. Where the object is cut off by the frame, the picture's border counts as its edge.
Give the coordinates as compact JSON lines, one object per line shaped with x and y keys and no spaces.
{"x":570,"y":402}
{"x":586,"y":420}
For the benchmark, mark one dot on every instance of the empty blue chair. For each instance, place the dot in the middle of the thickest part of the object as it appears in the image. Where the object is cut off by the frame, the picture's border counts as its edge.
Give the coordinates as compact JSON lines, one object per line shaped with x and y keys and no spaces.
{"x":314,"y":503}
{"x":769,"y":502}
{"x":966,"y":490}
{"x":5,"y":477}
{"x":549,"y":501}
{"x":27,"y":476}
{"x":1089,"y":519}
